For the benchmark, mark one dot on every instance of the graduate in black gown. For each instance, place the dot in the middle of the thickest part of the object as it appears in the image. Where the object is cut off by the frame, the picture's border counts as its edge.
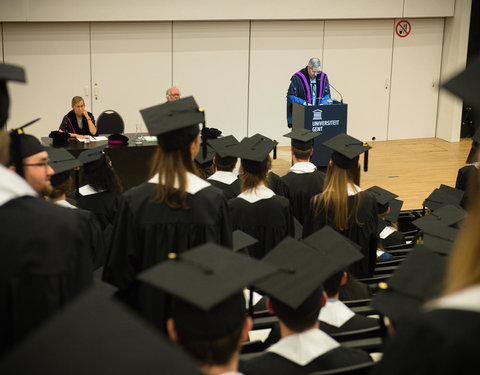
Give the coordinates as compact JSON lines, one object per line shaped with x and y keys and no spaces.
{"x":100,"y":189}
{"x":303,"y":179}
{"x":296,"y":297}
{"x":258,"y":211}
{"x":208,"y":319}
{"x":225,"y":162}
{"x":44,"y":261}
{"x":344,"y":206}
{"x":63,"y":163}
{"x":172,"y":212}
{"x":466,"y":174}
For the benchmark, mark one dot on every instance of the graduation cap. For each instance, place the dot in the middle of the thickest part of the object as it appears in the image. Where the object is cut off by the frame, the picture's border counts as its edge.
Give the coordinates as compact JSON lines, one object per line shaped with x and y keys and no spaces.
{"x":395,"y":208}
{"x":465,"y":84}
{"x":382,"y":196}
{"x":418,"y":279}
{"x":207,"y":282}
{"x":346,"y":151}
{"x":96,"y":335}
{"x":174,"y":123}
{"x":59,"y":139}
{"x":301,"y":271}
{"x":205,"y":161}
{"x":93,"y":158}
{"x":443,"y":196}
{"x":449,"y":215}
{"x":8,"y":73}
{"x":117,"y":139}
{"x":254,"y":152}
{"x":344,"y":251}
{"x":242,"y":240}
{"x":224,"y":149}
{"x":437,"y":235}
{"x":302,"y":139}
{"x":62,"y":163}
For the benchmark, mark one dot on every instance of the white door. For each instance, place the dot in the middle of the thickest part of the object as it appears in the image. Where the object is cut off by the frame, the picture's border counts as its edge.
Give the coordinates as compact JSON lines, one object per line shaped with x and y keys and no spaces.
{"x":415,"y":76}
{"x":278,"y":50}
{"x":357,"y":59}
{"x":131,"y":68}
{"x":210,"y":62}
{"x":56,"y":57}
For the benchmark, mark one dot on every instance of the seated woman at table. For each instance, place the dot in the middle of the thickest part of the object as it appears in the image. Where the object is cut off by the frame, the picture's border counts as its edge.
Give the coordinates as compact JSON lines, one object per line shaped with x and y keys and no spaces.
{"x":78,"y":122}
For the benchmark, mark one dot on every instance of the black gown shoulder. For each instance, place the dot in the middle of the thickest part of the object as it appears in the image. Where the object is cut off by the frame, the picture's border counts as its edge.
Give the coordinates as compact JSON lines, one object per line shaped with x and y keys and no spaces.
{"x":364,"y":234}
{"x":301,"y":188}
{"x":268,"y":220}
{"x":230,"y":191}
{"x":443,"y":341}
{"x":45,"y":264}
{"x":272,"y":363}
{"x":276,"y":184}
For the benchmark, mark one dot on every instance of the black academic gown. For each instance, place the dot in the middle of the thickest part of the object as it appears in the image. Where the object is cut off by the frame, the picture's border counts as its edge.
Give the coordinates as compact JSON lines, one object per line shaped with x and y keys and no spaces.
{"x":268,"y":220}
{"x":70,"y":125}
{"x":364,"y":235}
{"x":277,"y":185}
{"x":230,"y":190}
{"x":272,"y":363}
{"x":465,"y":176}
{"x":146,"y":232}
{"x":440,"y":342}
{"x":45,"y":263}
{"x":104,"y":206}
{"x":302,"y":187}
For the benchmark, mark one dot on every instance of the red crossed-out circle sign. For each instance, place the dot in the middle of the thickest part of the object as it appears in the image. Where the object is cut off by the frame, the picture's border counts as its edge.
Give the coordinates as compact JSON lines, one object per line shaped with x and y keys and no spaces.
{"x":403,"y":28}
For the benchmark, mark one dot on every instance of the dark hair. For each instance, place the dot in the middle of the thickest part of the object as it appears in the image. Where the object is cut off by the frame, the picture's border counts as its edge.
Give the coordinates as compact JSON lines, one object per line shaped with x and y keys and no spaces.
{"x":216,"y":351}
{"x":204,"y":172}
{"x":101,"y":176}
{"x":253,"y":173}
{"x":301,"y":154}
{"x":61,"y":184}
{"x":332,"y":284}
{"x":172,"y":165}
{"x":226,"y":164}
{"x":302,"y":318}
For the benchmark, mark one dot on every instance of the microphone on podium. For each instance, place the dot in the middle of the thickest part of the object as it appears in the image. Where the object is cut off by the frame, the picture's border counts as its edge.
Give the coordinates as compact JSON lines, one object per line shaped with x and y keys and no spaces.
{"x":341,"y":96}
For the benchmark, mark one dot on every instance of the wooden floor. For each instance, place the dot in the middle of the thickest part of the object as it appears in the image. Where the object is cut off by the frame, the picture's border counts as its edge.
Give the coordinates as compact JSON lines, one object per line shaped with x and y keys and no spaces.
{"x":410,"y":168}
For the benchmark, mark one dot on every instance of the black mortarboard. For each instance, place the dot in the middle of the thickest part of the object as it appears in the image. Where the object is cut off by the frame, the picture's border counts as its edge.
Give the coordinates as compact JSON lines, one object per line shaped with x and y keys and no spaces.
{"x":28,"y":145}
{"x":254,"y":152}
{"x":242,"y":240}
{"x":224,"y":147}
{"x":382,"y":196}
{"x":418,"y":279}
{"x":8,"y":73}
{"x":93,"y":157}
{"x":343,"y":251}
{"x":395,"y":208}
{"x":205,"y":161}
{"x":117,"y":139}
{"x":59,"y":139}
{"x":301,"y":271}
{"x":437,"y":236}
{"x":174,"y":123}
{"x":449,"y":215}
{"x":346,"y":151}
{"x":302,"y":139}
{"x":207,"y":282}
{"x":96,"y":335}
{"x":61,"y":160}
{"x":443,"y":196}
{"x":465,"y":84}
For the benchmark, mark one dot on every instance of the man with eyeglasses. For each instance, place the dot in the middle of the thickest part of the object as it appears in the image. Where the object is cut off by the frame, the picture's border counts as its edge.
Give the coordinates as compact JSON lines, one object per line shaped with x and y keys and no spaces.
{"x":173,"y":93}
{"x":309,"y":86}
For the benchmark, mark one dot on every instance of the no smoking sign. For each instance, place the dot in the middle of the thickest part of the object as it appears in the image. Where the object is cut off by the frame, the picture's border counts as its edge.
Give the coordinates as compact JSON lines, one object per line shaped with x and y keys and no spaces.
{"x":403,"y":28}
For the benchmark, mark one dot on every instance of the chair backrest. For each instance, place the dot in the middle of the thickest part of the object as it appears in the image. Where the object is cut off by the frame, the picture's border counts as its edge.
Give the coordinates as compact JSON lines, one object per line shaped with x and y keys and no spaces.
{"x":361,"y":369}
{"x":110,"y":122}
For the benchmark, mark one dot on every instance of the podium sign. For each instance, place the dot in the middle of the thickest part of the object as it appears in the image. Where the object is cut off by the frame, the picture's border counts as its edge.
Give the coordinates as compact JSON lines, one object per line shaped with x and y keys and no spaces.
{"x":329,"y":120}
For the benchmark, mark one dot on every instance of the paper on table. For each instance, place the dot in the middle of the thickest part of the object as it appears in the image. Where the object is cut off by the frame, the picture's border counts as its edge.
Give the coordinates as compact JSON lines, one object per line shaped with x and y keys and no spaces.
{"x":96,"y":139}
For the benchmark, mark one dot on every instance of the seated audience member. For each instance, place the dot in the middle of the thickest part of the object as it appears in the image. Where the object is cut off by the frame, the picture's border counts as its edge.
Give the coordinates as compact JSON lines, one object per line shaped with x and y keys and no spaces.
{"x":208,"y":319}
{"x":62,"y":163}
{"x":96,"y":334}
{"x":78,"y":122}
{"x":173,"y":93}
{"x":225,"y":162}
{"x":204,"y":163}
{"x":296,"y":296}
{"x":257,"y":210}
{"x":303,"y":179}
{"x":466,"y":180}
{"x":388,"y":235}
{"x":172,"y":212}
{"x":344,"y":206}
{"x":100,"y":189}
{"x":45,"y":262}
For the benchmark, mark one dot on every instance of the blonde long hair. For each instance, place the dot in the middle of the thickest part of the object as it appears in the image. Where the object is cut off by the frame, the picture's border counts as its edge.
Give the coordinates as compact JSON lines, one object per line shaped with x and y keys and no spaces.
{"x":463,"y":269}
{"x":334,"y":197}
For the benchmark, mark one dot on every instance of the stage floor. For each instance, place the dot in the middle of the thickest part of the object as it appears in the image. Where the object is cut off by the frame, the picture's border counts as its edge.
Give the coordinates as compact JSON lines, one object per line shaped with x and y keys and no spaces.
{"x":411,"y":168}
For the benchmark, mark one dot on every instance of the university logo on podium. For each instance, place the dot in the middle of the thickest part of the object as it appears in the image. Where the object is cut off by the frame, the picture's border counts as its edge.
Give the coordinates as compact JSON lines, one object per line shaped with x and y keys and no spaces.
{"x":317,"y":114}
